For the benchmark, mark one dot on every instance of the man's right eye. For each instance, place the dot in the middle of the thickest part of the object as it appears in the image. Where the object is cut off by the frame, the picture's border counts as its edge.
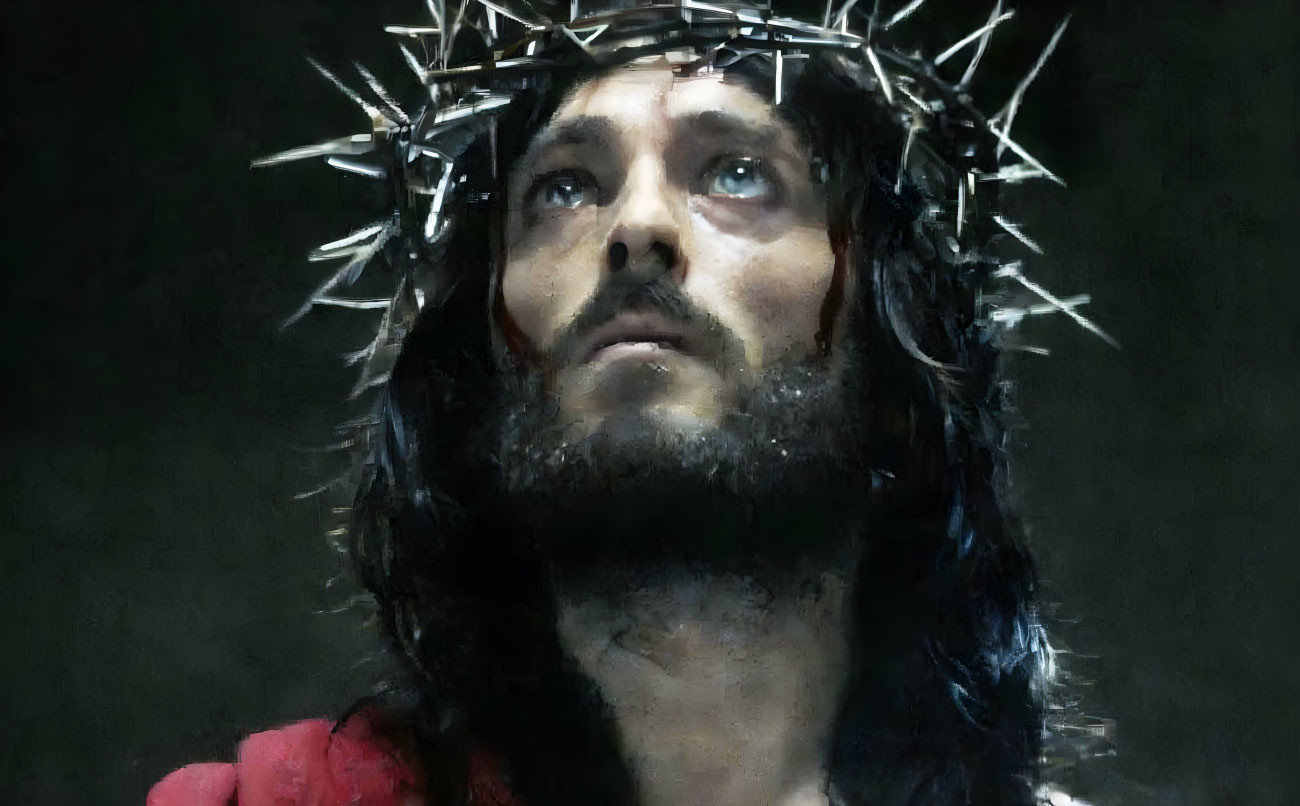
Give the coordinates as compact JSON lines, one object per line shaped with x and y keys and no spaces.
{"x":563,"y":190}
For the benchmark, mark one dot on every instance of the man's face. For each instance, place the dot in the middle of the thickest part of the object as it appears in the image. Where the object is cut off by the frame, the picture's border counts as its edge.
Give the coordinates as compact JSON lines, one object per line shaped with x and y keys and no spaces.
{"x":666,"y":245}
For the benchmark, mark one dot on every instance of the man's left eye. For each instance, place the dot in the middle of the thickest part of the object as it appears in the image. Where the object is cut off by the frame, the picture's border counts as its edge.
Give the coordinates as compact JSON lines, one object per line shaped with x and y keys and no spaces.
{"x":738,"y":178}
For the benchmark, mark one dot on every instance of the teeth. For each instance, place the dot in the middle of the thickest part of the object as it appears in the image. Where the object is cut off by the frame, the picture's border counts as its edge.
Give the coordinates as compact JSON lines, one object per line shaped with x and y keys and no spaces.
{"x":665,"y":344}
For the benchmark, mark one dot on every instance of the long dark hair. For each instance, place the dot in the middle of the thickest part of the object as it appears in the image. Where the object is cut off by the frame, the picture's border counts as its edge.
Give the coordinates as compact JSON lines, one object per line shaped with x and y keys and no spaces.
{"x":946,"y":697}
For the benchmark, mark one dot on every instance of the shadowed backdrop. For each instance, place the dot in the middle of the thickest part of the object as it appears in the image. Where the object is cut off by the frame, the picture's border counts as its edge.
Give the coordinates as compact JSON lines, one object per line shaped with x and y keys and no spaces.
{"x":166,"y":594}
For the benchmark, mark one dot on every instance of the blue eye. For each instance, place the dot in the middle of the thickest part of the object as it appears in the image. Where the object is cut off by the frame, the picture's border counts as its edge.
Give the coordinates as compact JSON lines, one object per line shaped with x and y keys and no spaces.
{"x":739,"y":178}
{"x":563,"y":190}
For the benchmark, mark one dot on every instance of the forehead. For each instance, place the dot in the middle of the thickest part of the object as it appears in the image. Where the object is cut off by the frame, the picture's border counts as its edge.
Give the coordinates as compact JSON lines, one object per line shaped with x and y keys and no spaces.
{"x":649,"y":97}
{"x":640,"y":88}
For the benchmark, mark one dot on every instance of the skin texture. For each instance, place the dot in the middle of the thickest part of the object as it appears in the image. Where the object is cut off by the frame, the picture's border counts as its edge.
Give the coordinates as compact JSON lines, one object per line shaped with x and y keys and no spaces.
{"x":691,"y":181}
{"x":724,"y":689}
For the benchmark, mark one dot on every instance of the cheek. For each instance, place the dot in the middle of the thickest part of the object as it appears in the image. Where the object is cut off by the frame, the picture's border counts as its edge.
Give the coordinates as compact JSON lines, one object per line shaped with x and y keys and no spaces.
{"x":776,"y":291}
{"x":548,"y":274}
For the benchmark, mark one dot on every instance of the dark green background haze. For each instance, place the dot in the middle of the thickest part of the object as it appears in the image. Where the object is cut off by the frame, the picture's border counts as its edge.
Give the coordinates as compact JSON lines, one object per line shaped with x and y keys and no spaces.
{"x":158,"y":580}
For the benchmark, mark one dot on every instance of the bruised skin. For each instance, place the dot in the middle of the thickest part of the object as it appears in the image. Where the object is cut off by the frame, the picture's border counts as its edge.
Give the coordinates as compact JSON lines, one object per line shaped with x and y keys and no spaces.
{"x":646,"y":147}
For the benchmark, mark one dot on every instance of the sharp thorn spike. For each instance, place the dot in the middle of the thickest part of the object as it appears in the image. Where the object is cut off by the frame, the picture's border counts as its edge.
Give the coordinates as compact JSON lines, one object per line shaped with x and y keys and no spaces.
{"x":980,"y":33}
{"x":356,"y":144}
{"x":346,"y":275}
{"x":329,"y":485}
{"x":431,"y":223}
{"x":383,"y":95}
{"x":1023,"y":154}
{"x":348,"y":240}
{"x":413,"y":31}
{"x":880,"y":75}
{"x":414,"y":63}
{"x":369,"y":108}
{"x":506,"y":13}
{"x":366,"y":169}
{"x":1012,"y":270}
{"x":843,"y":13}
{"x":366,"y":382}
{"x":902,"y":162}
{"x":983,"y":46}
{"x":902,"y":14}
{"x":353,"y":304}
{"x":1015,"y":232}
{"x":1008,"y":113}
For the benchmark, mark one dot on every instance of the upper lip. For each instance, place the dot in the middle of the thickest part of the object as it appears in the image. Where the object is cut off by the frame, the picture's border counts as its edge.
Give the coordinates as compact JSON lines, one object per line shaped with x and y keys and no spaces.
{"x":634,"y":327}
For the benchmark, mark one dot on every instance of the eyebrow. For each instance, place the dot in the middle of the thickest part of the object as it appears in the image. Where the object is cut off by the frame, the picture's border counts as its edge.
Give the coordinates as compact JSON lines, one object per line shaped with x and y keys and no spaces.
{"x":582,"y":130}
{"x":719,"y":125}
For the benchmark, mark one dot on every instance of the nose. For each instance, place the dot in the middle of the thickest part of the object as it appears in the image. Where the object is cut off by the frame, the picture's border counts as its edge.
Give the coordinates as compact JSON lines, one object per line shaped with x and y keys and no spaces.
{"x":646,"y":238}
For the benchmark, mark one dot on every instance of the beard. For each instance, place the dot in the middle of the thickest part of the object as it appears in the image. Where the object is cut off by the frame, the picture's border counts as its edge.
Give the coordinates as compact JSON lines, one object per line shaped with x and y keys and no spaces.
{"x":781,"y":475}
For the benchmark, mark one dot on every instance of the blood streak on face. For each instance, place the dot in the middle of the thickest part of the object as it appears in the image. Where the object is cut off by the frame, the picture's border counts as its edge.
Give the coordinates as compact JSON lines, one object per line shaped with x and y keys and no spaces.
{"x":645,"y":177}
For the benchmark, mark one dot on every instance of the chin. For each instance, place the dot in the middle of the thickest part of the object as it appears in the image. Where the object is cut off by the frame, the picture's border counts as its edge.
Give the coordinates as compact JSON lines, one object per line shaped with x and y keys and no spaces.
{"x":649,"y":424}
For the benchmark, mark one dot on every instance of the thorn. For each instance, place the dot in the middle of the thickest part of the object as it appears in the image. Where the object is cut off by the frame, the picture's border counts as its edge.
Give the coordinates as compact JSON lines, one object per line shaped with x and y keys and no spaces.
{"x":413,"y":31}
{"x":329,"y":485}
{"x":979,"y":33}
{"x":347,"y":275}
{"x":777,"y":100}
{"x":843,"y":14}
{"x":414,"y":63}
{"x":356,"y":167}
{"x":902,"y":163}
{"x":1008,"y":114}
{"x":431,"y":223}
{"x":356,"y":357}
{"x":1023,"y":154}
{"x":378,"y":90}
{"x":979,"y":52}
{"x":1011,"y":316}
{"x":1025,"y":348}
{"x":902,"y":14}
{"x":353,"y":304}
{"x":583,"y":43}
{"x":961,"y":208}
{"x":1012,"y":270}
{"x":370,"y":110}
{"x":364,"y":383}
{"x":506,"y":13}
{"x":356,"y":144}
{"x":1012,"y":174}
{"x":880,"y":75}
{"x":1017,"y":234}
{"x":435,"y":12}
{"x":349,"y":240}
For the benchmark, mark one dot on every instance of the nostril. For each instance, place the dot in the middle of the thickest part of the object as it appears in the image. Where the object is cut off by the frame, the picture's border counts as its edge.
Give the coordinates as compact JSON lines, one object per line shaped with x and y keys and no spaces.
{"x":663,"y":255}
{"x":617,"y":256}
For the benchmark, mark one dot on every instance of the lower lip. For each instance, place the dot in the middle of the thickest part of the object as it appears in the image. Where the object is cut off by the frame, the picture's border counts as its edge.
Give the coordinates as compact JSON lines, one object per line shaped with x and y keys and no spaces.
{"x":631,"y":350}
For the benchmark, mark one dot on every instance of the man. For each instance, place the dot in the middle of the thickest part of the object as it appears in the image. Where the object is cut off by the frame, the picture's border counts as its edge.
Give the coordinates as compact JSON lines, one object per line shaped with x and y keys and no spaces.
{"x":686,"y":486}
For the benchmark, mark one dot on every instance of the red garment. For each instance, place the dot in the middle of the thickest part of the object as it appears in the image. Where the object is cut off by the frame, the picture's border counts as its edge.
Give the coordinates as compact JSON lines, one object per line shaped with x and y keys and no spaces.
{"x":313,"y":763}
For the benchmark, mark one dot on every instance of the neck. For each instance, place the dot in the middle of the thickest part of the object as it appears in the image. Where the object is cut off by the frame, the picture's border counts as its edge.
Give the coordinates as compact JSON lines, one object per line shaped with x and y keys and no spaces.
{"x":724,"y":688}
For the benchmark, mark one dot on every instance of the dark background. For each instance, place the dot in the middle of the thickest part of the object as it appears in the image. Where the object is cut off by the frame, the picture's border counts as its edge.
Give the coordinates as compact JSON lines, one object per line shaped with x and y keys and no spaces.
{"x":159,"y":581}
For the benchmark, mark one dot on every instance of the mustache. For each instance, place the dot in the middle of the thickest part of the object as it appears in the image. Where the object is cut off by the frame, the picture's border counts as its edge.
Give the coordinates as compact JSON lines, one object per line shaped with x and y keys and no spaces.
{"x":707,"y":336}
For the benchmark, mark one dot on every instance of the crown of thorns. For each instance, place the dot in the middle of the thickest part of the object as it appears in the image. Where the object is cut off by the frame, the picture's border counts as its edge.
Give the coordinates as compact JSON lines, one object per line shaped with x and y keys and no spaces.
{"x":416,"y":151}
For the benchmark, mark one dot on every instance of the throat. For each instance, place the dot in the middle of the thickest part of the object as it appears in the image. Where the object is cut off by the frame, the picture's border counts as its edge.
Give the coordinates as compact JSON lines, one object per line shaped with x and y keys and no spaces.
{"x":724,"y":688}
